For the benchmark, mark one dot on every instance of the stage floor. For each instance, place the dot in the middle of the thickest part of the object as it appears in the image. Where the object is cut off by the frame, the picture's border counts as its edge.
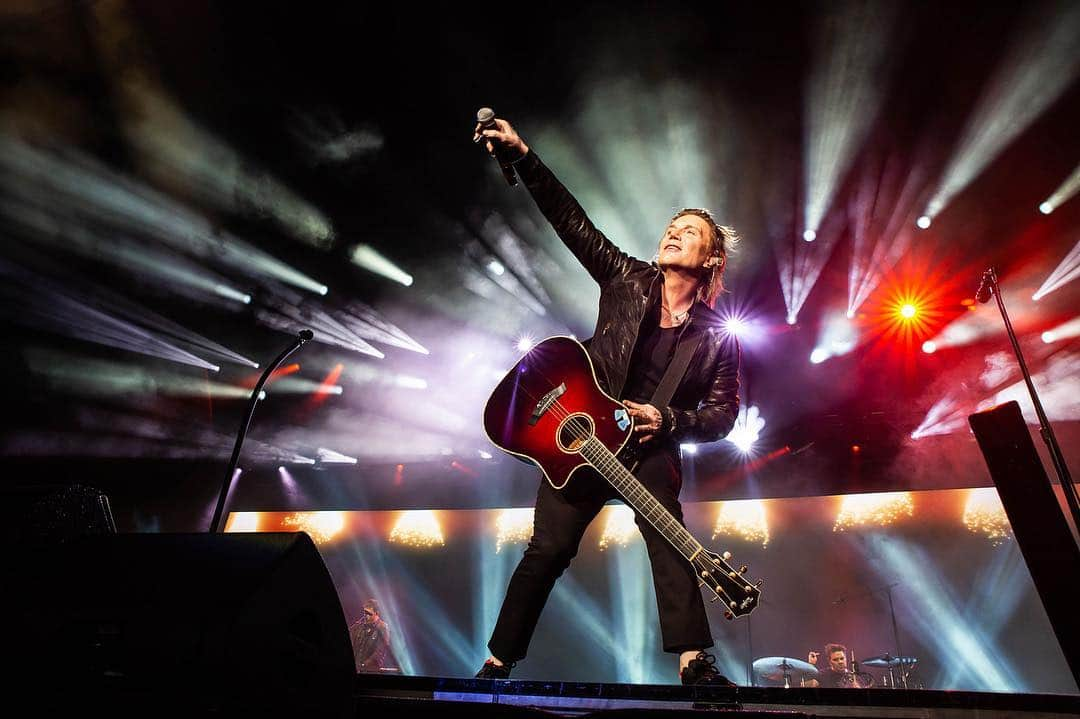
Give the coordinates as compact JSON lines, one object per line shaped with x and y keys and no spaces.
{"x":434,"y":696}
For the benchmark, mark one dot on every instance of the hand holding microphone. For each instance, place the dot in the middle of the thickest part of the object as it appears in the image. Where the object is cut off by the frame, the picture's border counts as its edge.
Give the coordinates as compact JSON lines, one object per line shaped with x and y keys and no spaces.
{"x":501,"y":140}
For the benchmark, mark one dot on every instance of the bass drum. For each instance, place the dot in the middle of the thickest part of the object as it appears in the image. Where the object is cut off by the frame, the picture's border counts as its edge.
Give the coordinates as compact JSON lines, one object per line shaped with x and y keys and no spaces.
{"x":856,"y":680}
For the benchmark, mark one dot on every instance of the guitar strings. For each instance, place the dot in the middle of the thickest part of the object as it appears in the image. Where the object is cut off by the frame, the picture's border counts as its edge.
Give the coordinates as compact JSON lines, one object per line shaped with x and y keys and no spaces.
{"x":583,"y":435}
{"x":688,"y":543}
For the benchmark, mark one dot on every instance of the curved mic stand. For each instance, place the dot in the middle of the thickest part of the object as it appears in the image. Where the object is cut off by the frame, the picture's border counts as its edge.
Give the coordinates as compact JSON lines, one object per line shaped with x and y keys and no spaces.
{"x":989,"y":281}
{"x":302,"y":337}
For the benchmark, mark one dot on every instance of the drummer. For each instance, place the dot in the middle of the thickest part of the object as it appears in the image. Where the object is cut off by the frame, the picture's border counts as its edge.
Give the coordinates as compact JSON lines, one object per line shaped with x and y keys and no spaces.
{"x":835,"y":673}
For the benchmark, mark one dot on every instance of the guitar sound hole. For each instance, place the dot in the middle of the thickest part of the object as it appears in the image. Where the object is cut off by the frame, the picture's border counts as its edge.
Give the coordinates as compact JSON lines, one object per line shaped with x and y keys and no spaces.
{"x":574,"y":432}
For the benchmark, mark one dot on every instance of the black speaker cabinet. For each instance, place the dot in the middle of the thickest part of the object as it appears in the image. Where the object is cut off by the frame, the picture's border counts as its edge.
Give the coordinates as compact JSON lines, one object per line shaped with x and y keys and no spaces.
{"x":178,"y":625}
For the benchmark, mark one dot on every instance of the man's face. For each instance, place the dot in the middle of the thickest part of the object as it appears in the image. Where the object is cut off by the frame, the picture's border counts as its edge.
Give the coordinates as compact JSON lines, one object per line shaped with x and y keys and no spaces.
{"x":838,"y":661}
{"x":370,"y":615}
{"x":685,"y":243}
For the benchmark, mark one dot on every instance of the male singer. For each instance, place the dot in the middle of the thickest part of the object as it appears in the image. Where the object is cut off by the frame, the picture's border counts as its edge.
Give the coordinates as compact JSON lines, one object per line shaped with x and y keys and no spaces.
{"x":646,"y":311}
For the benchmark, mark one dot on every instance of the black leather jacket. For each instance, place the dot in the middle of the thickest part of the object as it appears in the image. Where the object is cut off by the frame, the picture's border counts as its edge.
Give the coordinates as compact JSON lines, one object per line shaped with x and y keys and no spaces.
{"x":705,"y":404}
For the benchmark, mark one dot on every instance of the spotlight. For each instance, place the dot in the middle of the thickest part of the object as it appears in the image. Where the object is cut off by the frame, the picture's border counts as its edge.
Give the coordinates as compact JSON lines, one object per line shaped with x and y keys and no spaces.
{"x":1046,"y":208}
{"x":329,"y":456}
{"x":409,"y":382}
{"x":735,"y":326}
{"x":819,"y":355}
{"x":372,"y":260}
{"x":923,"y":222}
{"x":791,"y":319}
{"x":1066,"y":271}
{"x":495,"y":267}
{"x":747,"y":429}
{"x":907,"y":310}
{"x":688,"y":448}
{"x":851,"y":314}
{"x":483,"y":454}
{"x":525,"y":343}
{"x":809,"y":235}
{"x":929,"y":347}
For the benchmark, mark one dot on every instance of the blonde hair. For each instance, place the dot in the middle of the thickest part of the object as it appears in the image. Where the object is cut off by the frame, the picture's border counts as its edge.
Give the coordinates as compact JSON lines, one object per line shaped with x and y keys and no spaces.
{"x":722,"y":241}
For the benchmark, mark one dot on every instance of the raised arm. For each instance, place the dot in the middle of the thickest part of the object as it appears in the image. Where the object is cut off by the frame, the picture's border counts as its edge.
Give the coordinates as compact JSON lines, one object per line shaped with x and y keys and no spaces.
{"x":600,"y":257}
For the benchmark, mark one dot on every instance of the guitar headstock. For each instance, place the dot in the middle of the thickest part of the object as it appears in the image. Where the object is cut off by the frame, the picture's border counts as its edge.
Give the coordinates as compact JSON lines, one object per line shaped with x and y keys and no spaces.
{"x":731,"y":586}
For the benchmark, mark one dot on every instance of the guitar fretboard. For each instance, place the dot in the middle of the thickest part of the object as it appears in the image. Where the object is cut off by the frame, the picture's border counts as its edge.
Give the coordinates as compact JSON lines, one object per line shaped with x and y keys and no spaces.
{"x":638,"y":497}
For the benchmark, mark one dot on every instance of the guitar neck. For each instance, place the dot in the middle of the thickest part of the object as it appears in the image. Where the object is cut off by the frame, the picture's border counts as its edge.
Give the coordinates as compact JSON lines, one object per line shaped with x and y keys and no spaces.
{"x":639,"y":498}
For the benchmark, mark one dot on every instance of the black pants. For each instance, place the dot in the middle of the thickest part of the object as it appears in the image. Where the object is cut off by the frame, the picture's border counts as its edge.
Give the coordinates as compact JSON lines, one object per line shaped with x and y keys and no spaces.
{"x":559,"y":522}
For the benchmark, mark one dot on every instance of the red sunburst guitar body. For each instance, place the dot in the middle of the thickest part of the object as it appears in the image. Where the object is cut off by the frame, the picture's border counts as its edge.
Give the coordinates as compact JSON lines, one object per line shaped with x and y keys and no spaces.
{"x":550,"y":410}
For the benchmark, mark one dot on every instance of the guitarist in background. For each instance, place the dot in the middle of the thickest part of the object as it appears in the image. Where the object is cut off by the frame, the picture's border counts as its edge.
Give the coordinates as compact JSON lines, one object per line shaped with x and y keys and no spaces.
{"x":647,"y":310}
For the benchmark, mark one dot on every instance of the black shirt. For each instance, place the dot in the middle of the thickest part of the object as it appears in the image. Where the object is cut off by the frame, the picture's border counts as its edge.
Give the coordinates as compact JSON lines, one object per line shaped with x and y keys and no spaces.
{"x":652,"y":355}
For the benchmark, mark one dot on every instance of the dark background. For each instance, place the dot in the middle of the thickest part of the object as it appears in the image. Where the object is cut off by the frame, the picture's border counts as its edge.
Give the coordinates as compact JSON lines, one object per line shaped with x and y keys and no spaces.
{"x":601,"y":91}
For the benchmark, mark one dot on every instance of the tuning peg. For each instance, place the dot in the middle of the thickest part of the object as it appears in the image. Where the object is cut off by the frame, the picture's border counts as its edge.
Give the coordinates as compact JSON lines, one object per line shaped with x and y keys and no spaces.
{"x":758,"y":583}
{"x":729,"y":616}
{"x":748,"y":588}
{"x":732,"y":574}
{"x":726,"y":556}
{"x":733,"y":604}
{"x":742,"y":569}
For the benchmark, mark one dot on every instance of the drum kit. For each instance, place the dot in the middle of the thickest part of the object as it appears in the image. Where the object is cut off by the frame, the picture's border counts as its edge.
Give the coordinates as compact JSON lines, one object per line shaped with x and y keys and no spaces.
{"x":896,"y":672}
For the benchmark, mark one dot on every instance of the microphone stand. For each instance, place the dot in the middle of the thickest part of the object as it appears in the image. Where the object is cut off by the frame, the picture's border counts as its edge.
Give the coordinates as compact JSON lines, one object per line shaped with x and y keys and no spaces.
{"x":989,"y":280}
{"x":892,"y":615}
{"x":896,"y":635}
{"x":302,"y":337}
{"x":750,"y":648}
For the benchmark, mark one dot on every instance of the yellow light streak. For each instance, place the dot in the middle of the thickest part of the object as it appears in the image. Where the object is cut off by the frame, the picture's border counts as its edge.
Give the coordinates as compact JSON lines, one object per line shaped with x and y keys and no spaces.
{"x":619,"y":528}
{"x":513,"y":526}
{"x":243,"y":522}
{"x":321,"y":526}
{"x":860,"y":510}
{"x":745,"y":518}
{"x":417,"y":528}
{"x":984,"y":514}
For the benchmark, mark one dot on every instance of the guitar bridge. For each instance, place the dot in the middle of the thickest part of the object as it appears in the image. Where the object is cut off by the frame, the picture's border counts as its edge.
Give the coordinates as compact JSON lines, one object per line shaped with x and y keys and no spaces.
{"x":545,"y":403}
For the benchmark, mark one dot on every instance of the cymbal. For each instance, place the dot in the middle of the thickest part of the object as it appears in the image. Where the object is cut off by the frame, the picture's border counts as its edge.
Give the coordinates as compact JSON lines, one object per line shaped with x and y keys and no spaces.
{"x":887,"y":660}
{"x":776,"y":667}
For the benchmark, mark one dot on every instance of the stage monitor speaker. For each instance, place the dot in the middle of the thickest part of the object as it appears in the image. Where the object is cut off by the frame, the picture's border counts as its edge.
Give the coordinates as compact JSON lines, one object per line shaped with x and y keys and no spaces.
{"x":178,"y":625}
{"x":1037,"y":519}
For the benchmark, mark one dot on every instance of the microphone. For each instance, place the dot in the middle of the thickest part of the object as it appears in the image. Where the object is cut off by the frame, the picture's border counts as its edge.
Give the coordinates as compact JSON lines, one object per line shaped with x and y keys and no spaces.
{"x":485,"y":116}
{"x":306,"y":336}
{"x":985,"y":287}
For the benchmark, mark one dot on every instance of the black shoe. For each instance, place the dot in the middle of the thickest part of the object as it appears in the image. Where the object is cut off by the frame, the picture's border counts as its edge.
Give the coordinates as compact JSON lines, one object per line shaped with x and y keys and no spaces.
{"x":701,"y":672}
{"x":491,"y":670}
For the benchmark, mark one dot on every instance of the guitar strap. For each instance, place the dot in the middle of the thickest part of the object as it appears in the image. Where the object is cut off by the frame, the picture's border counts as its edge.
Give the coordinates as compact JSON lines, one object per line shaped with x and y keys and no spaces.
{"x":684,"y":352}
